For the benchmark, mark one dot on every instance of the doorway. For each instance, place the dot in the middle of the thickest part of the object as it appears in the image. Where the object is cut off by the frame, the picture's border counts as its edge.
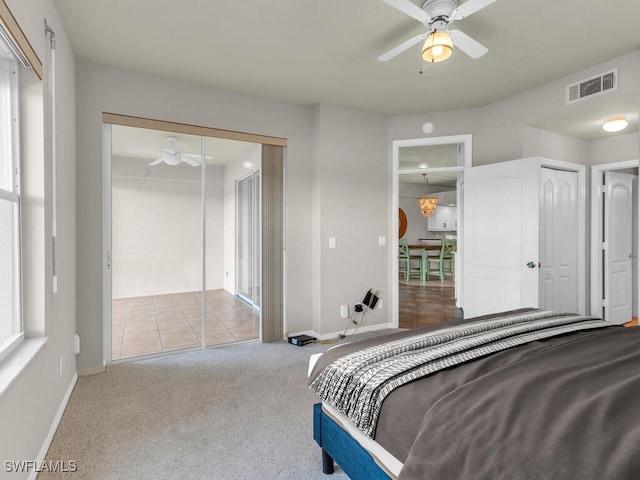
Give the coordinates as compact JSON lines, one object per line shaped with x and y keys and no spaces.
{"x":507,"y":206}
{"x":432,"y":167}
{"x":170,"y":238}
{"x":614,"y":273}
{"x":558,"y":260}
{"x":248,"y":239}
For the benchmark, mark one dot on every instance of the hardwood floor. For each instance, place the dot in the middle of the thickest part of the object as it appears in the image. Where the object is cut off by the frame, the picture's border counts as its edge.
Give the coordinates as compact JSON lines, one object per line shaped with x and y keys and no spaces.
{"x":427,"y":303}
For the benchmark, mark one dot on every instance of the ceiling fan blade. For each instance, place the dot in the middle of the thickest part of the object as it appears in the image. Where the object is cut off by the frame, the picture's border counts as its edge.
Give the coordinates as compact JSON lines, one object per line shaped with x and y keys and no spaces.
{"x":467,"y":44}
{"x":156,"y":162}
{"x":190,"y":161}
{"x":402,"y":47}
{"x":408,"y":8}
{"x":469,"y":7}
{"x":196,"y":156}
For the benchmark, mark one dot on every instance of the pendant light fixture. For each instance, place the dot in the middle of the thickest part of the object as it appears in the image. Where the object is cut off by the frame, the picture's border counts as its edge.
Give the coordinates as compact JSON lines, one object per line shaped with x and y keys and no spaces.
{"x":427,"y":204}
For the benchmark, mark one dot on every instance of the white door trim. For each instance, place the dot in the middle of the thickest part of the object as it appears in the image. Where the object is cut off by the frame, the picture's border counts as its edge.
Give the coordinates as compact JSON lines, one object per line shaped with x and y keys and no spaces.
{"x":106,"y":242}
{"x":466,"y":140}
{"x":597,"y":172}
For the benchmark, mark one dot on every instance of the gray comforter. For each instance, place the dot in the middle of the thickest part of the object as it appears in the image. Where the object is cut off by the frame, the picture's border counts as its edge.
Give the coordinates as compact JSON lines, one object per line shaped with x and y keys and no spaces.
{"x":565,"y":407}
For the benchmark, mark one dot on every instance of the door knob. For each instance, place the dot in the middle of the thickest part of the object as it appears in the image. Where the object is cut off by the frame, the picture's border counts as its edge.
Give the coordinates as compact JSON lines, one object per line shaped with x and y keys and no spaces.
{"x":633,"y":255}
{"x":531,"y":265}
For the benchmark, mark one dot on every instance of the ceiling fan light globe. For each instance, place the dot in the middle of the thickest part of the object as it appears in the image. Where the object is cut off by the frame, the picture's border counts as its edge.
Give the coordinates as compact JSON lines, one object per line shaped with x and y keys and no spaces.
{"x":171,"y":160}
{"x":437,"y":47}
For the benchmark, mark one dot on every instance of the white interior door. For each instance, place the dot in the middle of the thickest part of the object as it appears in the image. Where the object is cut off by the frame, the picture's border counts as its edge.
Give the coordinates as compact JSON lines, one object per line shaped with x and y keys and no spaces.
{"x":501,"y":204}
{"x":617,"y":246}
{"x":559,"y":240}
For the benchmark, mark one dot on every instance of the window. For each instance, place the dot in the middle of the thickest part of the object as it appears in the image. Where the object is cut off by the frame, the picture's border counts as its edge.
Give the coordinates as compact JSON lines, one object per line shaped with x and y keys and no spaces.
{"x":11,"y":330}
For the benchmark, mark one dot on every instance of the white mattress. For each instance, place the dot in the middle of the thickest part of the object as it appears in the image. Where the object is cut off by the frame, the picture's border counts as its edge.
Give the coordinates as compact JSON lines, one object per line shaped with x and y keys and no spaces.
{"x":382,"y":457}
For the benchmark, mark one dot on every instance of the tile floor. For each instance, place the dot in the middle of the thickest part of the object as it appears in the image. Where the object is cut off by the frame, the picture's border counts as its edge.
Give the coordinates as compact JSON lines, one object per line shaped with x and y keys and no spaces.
{"x":427,"y":303}
{"x":164,"y":323}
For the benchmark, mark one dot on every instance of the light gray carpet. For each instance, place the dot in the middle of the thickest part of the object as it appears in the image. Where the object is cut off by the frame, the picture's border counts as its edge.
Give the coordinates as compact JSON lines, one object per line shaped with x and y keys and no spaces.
{"x":241,"y":411}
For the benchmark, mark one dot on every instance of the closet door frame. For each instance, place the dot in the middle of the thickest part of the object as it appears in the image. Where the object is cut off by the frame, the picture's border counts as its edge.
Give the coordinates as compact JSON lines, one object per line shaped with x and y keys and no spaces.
{"x":273,"y":319}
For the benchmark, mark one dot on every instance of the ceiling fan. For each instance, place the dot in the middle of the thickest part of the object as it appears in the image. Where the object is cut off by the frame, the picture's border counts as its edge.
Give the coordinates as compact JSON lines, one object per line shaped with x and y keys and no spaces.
{"x":172,"y":155}
{"x":436,"y":16}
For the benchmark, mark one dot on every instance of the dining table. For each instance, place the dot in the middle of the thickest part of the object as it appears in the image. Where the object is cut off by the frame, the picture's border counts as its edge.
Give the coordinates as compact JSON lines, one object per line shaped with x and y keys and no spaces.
{"x":424,"y":246}
{"x":426,"y":250}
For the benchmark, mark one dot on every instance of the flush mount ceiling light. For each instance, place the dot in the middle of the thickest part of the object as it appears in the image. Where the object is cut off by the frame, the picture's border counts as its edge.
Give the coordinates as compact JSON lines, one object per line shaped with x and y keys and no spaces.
{"x":615,"y":124}
{"x":423,"y":165}
{"x":437,"y":47}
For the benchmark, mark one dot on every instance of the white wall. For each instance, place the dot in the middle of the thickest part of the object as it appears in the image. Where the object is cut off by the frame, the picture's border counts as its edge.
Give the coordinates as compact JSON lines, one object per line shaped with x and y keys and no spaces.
{"x":615,"y":149}
{"x":29,"y":405}
{"x":352,"y":203}
{"x":101,"y":89}
{"x":541,"y":143}
{"x":157,"y":228}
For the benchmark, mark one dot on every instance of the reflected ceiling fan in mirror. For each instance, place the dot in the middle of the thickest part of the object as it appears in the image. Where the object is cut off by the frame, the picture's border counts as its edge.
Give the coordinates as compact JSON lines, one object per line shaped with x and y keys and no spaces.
{"x":436,"y":16}
{"x":172,"y":155}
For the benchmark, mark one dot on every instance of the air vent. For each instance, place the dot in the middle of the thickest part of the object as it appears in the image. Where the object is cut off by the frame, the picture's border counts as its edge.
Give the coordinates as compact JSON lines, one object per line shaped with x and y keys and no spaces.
{"x":603,"y":83}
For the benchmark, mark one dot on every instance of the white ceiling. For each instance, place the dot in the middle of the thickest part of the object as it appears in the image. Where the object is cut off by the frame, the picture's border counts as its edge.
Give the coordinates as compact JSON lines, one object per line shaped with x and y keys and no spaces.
{"x":435,"y":156}
{"x":325,"y":51}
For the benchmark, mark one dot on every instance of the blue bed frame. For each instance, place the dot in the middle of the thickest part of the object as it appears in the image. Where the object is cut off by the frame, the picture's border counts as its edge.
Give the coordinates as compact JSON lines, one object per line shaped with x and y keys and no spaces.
{"x":337,"y":445}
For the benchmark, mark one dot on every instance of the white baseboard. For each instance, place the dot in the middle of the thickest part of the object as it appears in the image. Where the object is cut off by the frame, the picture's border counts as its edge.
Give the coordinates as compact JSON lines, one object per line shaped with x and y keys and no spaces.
{"x":328,"y":336}
{"x":54,"y":426}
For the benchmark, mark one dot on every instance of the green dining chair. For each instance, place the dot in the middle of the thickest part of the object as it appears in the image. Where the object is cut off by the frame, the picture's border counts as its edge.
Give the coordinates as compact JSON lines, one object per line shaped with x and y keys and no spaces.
{"x":410,"y":264}
{"x":436,"y":265}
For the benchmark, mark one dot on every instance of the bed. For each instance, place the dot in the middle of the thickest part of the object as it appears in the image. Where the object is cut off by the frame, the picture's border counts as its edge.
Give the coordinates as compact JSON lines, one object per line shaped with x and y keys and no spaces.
{"x":520,"y":395}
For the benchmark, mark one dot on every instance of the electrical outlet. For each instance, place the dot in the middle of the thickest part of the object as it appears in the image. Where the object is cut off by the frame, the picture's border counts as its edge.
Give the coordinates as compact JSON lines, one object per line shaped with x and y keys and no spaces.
{"x":379,"y":304}
{"x":344,"y":311}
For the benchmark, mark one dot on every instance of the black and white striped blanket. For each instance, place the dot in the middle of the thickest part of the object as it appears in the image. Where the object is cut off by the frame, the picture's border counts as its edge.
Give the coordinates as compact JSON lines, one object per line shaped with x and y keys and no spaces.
{"x":357,"y":383}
